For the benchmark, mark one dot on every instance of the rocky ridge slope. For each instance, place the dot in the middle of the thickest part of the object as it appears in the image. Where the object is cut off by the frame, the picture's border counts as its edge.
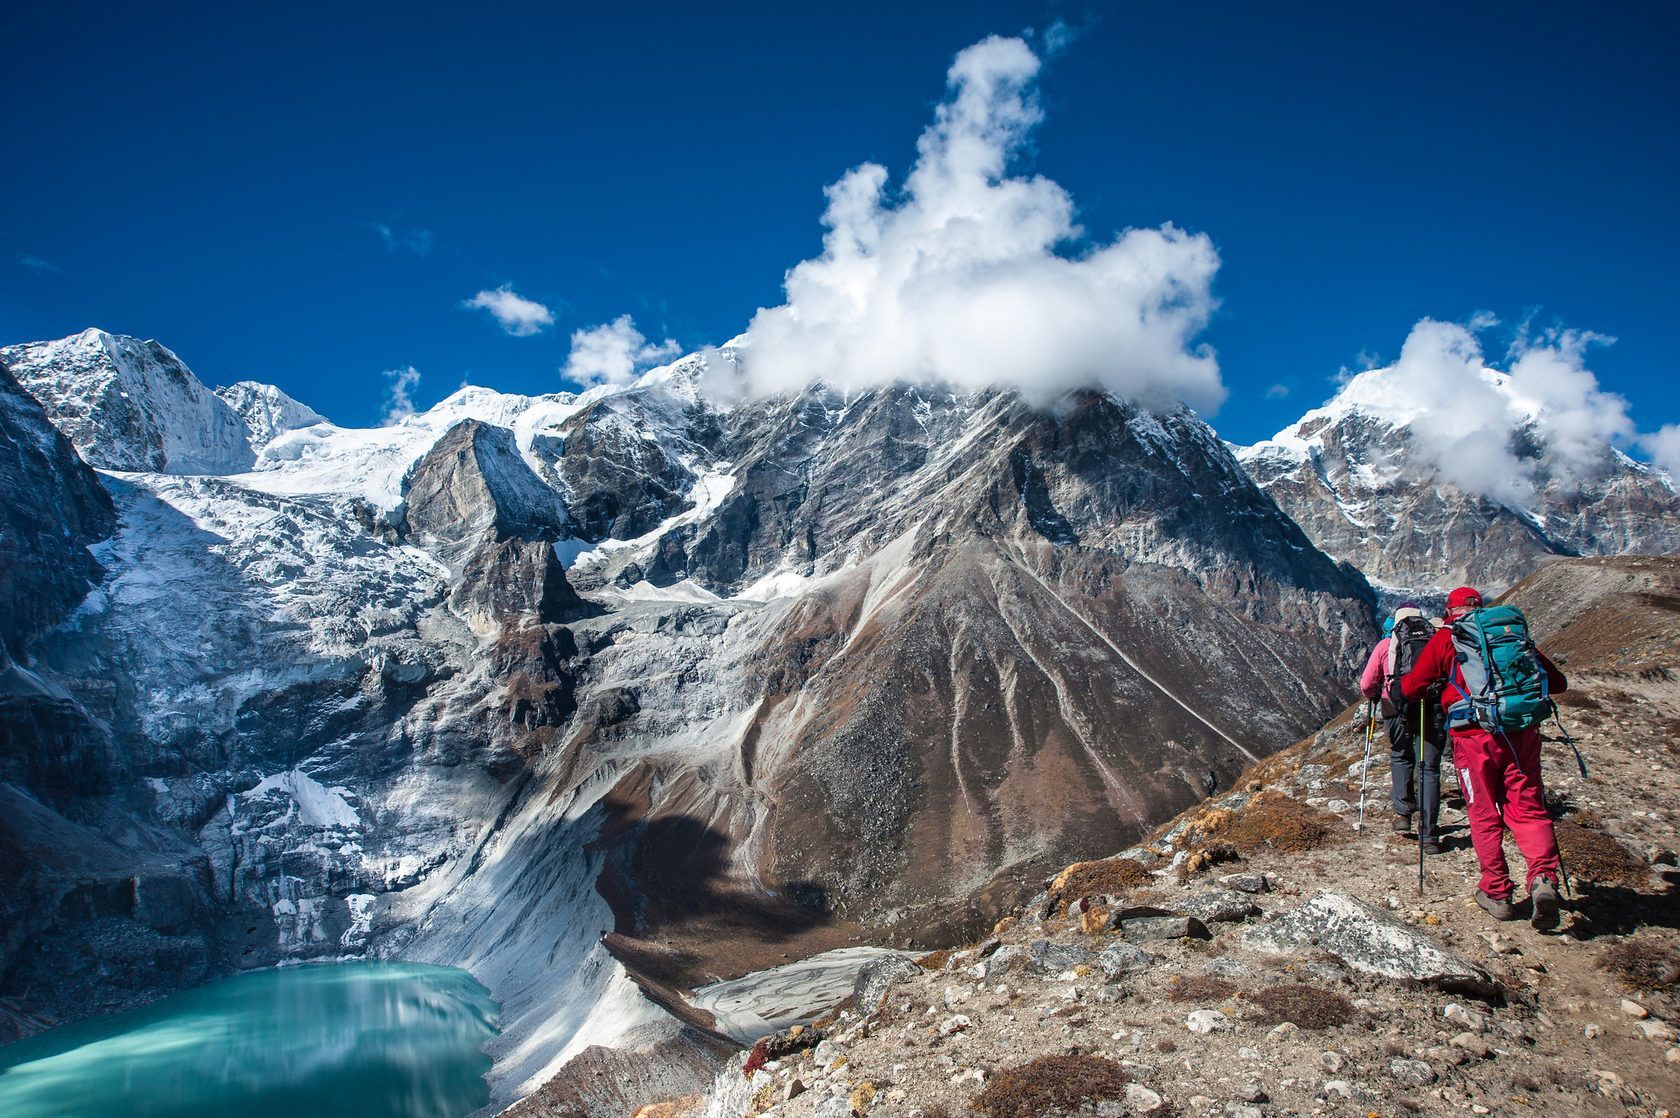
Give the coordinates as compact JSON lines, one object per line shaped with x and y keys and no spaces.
{"x":1261,"y":956}
{"x":1354,"y":476}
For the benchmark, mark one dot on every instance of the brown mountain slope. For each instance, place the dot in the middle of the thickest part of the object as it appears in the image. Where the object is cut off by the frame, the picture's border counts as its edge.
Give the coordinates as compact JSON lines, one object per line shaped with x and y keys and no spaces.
{"x":1334,"y":986}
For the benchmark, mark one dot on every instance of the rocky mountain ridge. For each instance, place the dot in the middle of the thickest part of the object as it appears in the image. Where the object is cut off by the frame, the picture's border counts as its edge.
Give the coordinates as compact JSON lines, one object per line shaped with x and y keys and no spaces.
{"x":1355,"y":475}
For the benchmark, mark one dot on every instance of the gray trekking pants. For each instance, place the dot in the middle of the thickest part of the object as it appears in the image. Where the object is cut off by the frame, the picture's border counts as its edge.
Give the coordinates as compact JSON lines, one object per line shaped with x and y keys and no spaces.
{"x":1402,"y":767}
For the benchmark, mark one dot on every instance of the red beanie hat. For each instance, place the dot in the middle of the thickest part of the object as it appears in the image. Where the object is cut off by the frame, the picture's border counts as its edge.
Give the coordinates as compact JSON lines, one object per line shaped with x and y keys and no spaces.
{"x":1465,"y":597}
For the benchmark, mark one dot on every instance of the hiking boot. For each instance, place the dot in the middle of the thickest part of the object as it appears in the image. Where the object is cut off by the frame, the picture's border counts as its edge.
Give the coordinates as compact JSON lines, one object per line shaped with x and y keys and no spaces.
{"x":1402,"y":824}
{"x":1543,"y":898}
{"x":1497,"y":907}
{"x":1431,"y":846}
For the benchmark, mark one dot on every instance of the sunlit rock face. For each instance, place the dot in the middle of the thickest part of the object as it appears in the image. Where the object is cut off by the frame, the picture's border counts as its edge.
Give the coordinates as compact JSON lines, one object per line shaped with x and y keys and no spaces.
{"x":490,"y":683}
{"x":129,"y":404}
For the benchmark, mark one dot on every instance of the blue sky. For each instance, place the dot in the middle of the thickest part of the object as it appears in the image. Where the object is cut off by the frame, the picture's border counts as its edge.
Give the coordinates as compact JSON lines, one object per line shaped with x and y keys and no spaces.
{"x":219,"y":177}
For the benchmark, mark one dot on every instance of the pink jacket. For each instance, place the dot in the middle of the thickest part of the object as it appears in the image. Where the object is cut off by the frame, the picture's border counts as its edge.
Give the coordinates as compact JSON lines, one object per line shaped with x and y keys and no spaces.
{"x":1376,"y":670}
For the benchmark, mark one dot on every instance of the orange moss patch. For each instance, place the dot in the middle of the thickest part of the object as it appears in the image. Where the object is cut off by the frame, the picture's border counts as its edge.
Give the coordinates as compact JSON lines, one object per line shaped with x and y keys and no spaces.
{"x":1107,"y":876}
{"x":1051,"y":1083}
{"x":935,"y":960}
{"x":1270,"y":821}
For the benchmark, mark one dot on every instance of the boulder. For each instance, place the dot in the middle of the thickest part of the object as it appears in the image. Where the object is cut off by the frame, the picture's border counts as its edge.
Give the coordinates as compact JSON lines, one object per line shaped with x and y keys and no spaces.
{"x":1205,"y":1021}
{"x":1053,"y":958}
{"x":878,"y":974}
{"x":1218,"y":905}
{"x":1370,"y":941}
{"x":1163,"y":927}
{"x":1123,"y":958}
{"x":999,"y":962}
{"x":1246,"y":882}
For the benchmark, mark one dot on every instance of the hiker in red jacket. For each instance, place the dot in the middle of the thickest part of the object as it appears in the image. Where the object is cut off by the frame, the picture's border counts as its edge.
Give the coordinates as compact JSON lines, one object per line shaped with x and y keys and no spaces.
{"x":1500,"y":774}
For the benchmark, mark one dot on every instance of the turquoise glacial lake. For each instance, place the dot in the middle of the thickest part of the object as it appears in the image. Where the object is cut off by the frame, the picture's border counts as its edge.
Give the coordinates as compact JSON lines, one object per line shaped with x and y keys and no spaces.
{"x":369,"y":1040}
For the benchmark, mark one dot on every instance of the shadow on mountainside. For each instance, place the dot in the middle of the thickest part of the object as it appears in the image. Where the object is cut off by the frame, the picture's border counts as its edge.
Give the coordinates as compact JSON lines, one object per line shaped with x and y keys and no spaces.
{"x":683,"y":917}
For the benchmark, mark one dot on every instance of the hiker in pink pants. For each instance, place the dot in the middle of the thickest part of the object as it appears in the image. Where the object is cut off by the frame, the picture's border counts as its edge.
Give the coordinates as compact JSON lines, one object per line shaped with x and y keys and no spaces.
{"x":1500,"y":774}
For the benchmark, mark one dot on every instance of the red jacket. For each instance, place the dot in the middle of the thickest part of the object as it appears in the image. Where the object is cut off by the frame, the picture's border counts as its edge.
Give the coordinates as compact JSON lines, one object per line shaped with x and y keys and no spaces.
{"x":1436,"y":662}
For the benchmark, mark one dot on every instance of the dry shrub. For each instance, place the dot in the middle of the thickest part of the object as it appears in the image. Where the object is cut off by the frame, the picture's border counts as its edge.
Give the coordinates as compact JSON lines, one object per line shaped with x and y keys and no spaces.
{"x":1306,"y":1007}
{"x":1206,"y":856}
{"x":1586,"y":817}
{"x":1578,"y":699}
{"x":1051,"y":1083}
{"x":828,"y":1019}
{"x":1277,"y":822}
{"x":1595,"y":856}
{"x":1642,"y":967}
{"x":1199,"y":988}
{"x":935,"y":960}
{"x":1110,"y":876}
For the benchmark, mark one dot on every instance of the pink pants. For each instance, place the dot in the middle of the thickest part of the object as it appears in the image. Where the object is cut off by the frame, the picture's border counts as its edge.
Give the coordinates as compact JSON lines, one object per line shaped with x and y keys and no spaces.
{"x":1500,"y":775}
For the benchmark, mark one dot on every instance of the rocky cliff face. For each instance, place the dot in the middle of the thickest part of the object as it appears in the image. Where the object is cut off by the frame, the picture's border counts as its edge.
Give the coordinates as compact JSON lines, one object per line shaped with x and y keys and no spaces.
{"x":131,"y":405}
{"x":761,"y":677}
{"x":54,"y":509}
{"x":1353,"y":476}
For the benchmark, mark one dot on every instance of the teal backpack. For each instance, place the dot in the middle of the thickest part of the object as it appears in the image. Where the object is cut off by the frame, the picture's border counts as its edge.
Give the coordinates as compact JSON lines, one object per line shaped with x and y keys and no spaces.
{"x":1501,"y":684}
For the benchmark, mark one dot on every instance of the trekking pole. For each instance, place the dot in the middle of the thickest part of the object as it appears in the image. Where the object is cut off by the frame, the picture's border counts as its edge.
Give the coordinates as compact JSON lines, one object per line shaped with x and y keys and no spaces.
{"x":1423,"y":808}
{"x":1365,"y":768}
{"x":1569,"y":741}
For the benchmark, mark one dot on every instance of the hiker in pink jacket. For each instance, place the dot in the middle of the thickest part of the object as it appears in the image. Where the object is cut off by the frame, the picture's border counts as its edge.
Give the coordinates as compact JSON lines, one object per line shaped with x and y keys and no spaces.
{"x":1409,"y":632}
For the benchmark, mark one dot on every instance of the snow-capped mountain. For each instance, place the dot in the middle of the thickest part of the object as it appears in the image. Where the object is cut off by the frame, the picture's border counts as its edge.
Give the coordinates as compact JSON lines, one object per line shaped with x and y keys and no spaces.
{"x":1364,"y":477}
{"x":581,"y":691}
{"x":131,"y":405}
{"x":266,"y":411}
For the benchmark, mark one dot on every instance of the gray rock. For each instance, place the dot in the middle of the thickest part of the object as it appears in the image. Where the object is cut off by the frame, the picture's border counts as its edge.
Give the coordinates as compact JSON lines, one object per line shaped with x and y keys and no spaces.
{"x":1415,"y":1073}
{"x":1146,"y":928}
{"x":876,"y":976}
{"x":1046,"y":957}
{"x":1141,"y":1100}
{"x":1205,"y":1021}
{"x":1123,"y":958}
{"x":1001,"y":961}
{"x":1246,"y":882}
{"x":1218,"y":905}
{"x":833,"y":1106}
{"x":1370,"y":941}
{"x":1226,"y":966}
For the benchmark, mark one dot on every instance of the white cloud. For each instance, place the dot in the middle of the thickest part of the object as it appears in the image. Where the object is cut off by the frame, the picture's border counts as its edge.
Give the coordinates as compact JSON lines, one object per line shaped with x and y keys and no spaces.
{"x":36,"y":264}
{"x":613,"y":353}
{"x":516,"y":314}
{"x":1577,"y":418}
{"x":1277,"y":391}
{"x":1464,"y":424}
{"x":417,"y":241}
{"x":975,"y":278}
{"x":1664,"y":448}
{"x":399,"y":404}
